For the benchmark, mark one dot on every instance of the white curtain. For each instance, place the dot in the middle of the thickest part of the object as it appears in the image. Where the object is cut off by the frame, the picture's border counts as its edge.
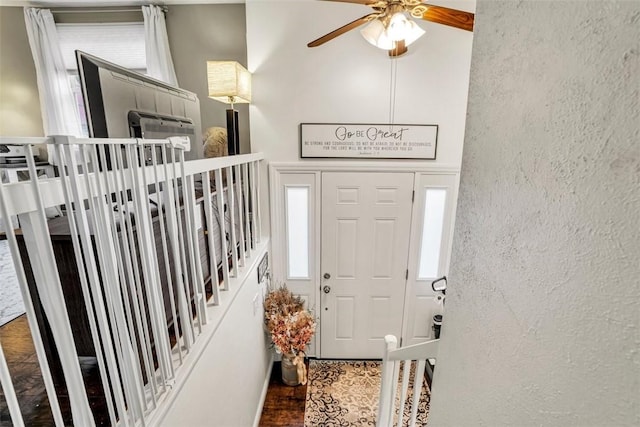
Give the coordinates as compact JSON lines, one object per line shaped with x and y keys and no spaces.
{"x":159,"y":62}
{"x":59,"y":111}
{"x":60,"y":117}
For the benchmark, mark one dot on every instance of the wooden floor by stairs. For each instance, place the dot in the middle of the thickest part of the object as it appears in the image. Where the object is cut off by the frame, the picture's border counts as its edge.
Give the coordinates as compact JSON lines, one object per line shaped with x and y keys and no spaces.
{"x":284,"y":405}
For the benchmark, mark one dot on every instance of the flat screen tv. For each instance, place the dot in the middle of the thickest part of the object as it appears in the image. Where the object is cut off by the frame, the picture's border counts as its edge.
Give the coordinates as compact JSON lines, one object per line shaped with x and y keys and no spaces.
{"x":121,"y":103}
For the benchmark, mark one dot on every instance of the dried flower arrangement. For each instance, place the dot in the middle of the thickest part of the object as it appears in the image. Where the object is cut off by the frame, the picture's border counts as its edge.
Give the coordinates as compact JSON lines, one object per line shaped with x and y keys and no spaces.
{"x":290,"y":325}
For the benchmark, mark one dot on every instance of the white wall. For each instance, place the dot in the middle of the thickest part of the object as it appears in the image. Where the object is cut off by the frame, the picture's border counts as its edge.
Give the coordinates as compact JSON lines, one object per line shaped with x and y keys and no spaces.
{"x":542,"y":323}
{"x":347,"y":80}
{"x":225,"y":386}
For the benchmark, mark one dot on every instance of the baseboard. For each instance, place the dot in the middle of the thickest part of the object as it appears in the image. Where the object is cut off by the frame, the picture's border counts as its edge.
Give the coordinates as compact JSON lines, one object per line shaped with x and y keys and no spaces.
{"x":263,"y":396}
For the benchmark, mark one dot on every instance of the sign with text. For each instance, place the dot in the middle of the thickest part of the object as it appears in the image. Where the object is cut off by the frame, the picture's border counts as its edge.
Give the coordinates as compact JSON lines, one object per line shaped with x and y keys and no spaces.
{"x":328,"y":140}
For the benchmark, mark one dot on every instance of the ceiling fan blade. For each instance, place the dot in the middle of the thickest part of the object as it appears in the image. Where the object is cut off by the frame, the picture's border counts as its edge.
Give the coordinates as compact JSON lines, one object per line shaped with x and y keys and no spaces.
{"x":335,"y":33}
{"x":451,"y":17}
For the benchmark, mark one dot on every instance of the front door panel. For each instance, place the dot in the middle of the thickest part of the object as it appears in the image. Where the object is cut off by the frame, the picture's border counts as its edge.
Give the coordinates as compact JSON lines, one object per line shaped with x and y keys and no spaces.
{"x":366,"y":220}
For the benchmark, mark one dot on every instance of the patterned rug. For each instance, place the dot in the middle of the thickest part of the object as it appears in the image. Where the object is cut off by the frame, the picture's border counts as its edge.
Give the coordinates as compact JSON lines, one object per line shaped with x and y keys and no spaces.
{"x":345,"y":394}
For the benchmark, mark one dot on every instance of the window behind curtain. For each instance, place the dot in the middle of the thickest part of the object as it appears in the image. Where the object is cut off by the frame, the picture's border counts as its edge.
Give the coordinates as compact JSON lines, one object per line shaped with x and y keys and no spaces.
{"x":120,"y":43}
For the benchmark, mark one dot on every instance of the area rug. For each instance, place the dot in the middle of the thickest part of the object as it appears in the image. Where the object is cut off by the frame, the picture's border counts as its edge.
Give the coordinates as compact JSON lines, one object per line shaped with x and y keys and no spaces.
{"x":346,"y":393}
{"x":11,"y":304}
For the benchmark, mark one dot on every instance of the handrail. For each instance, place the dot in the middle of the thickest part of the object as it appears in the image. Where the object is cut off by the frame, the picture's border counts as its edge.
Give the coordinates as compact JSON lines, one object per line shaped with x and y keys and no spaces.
{"x":423,"y":350}
{"x":20,"y":200}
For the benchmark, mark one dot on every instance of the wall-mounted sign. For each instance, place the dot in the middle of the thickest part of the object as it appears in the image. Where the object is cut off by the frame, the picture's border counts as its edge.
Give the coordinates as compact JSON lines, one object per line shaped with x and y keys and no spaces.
{"x":329,"y":140}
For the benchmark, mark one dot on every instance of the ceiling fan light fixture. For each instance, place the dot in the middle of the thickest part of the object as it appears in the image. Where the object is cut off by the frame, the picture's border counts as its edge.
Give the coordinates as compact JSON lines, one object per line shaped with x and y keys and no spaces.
{"x":414,"y":32}
{"x":386,"y":36}
{"x":376,"y":34}
{"x":398,"y":26}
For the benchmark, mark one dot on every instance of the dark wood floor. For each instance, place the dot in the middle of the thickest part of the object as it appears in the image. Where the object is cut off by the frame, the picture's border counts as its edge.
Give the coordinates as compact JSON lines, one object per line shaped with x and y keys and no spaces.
{"x":29,"y":386}
{"x":284,"y":405}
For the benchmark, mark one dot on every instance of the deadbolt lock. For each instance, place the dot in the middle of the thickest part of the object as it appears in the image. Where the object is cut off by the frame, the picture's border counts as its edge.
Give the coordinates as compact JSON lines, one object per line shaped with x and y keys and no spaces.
{"x":327,"y":276}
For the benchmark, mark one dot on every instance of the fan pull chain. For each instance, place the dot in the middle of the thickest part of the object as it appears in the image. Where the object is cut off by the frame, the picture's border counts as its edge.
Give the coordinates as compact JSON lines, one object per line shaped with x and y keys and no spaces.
{"x":392,"y":91}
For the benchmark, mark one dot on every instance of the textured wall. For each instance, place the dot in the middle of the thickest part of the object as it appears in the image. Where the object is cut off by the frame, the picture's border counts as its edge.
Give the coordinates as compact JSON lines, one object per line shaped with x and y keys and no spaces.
{"x":19,"y":101}
{"x":543,"y":314}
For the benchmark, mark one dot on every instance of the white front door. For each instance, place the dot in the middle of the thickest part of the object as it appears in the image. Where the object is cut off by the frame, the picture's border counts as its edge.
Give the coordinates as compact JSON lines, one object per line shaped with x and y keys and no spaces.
{"x":366,"y":221}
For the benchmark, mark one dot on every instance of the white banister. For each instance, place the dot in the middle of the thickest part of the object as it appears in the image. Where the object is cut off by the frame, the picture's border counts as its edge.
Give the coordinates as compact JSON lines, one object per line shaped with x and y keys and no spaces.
{"x":134,"y":221}
{"x":393,"y":358}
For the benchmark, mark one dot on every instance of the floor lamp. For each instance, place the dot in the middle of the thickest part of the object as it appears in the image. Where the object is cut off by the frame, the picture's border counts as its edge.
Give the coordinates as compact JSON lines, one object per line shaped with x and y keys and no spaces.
{"x":230,"y":82}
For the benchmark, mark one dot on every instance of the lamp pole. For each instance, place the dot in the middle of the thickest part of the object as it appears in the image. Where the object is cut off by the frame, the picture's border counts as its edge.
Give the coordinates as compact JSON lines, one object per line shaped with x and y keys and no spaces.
{"x":233,"y":135}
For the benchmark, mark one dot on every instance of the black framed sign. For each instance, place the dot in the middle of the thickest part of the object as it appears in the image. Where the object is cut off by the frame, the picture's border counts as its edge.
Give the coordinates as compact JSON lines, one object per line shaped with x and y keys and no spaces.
{"x":371,"y":141}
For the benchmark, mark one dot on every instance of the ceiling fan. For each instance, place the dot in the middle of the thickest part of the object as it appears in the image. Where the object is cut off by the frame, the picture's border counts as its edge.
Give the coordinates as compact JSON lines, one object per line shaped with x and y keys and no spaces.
{"x":391,"y":30}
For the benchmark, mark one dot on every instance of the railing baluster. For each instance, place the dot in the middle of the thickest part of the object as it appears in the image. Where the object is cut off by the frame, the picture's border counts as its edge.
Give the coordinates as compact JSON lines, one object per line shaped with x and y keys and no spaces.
{"x":258,"y":205}
{"x":132,"y":257}
{"x":417,"y":390}
{"x":98,"y":324}
{"x":173,"y":226}
{"x":105,"y":249}
{"x":137,"y":383}
{"x":406,"y":372}
{"x":189,"y":202}
{"x":100,"y":282}
{"x":185,"y":291}
{"x":254,"y":205}
{"x":45,"y":270}
{"x":394,"y":381}
{"x":159,"y":319}
{"x":232,"y":221}
{"x":223,"y":230}
{"x":246,"y":197}
{"x":240,"y":200}
{"x":165,"y":253}
{"x":208,"y":213}
{"x":33,"y":325}
{"x":124,"y":238}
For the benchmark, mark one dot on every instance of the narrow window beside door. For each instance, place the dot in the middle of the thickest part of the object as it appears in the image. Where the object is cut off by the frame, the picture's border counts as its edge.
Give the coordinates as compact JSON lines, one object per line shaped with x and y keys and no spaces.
{"x":432,"y":228}
{"x":297,"y":227}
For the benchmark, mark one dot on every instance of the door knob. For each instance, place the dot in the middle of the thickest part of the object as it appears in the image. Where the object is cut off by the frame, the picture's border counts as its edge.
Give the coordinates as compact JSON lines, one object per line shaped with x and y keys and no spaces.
{"x":327,"y":276}
{"x":326,"y":289}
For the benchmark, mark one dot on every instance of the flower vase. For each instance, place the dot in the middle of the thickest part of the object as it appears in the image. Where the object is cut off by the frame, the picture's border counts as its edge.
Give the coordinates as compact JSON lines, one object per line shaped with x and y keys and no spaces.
{"x":289,"y":370}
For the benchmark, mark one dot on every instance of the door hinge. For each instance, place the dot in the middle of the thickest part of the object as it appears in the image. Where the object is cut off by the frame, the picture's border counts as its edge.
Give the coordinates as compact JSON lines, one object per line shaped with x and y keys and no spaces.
{"x":413,"y":196}
{"x":406,"y":276}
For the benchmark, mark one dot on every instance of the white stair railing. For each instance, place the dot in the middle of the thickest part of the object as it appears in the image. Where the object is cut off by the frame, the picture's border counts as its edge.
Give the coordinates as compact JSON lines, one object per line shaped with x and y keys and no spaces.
{"x":136,"y":228}
{"x":393,"y":358}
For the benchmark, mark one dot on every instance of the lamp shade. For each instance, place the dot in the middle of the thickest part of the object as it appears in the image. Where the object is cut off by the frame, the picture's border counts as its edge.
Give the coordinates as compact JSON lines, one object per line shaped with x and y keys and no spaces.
{"x":413,"y":33}
{"x":229,"y":82}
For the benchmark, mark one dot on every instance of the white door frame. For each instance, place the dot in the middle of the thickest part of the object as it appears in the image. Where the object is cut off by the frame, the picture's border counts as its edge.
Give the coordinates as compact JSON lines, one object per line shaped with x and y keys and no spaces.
{"x":316,"y":168}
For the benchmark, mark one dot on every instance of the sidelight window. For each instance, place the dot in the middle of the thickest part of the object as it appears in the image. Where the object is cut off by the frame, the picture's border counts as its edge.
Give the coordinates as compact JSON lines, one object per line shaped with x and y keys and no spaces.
{"x":432,"y":228}
{"x":297,"y":229}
